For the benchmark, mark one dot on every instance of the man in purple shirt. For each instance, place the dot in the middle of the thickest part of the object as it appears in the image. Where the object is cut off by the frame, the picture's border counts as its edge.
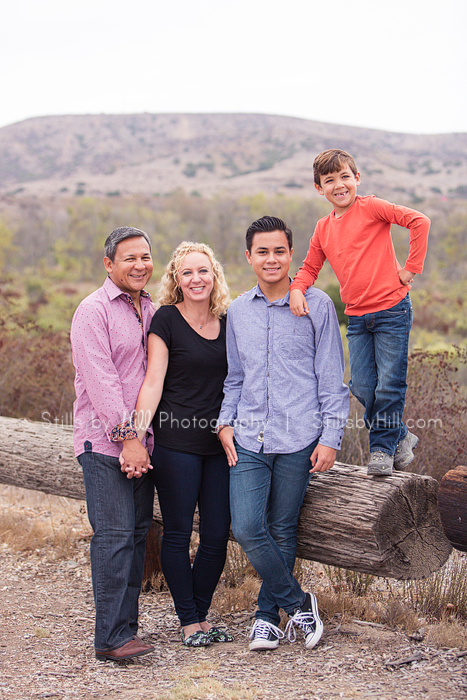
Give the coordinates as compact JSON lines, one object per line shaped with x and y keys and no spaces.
{"x":108,"y":338}
{"x":283,"y":416}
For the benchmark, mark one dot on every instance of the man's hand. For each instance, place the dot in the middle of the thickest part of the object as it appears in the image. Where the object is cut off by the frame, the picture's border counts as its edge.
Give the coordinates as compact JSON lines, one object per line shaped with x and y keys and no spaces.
{"x":134,"y":459}
{"x":297,"y":303}
{"x":405,"y":276}
{"x":226,"y":437}
{"x":322,"y":458}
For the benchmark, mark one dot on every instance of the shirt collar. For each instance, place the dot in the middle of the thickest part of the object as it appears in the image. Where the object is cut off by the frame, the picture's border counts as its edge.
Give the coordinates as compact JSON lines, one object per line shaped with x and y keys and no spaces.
{"x":256,"y":292}
{"x":113,"y":291}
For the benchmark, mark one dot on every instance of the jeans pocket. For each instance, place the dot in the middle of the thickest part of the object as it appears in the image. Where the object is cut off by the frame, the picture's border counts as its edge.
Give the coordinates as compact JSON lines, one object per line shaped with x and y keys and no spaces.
{"x":399,"y":309}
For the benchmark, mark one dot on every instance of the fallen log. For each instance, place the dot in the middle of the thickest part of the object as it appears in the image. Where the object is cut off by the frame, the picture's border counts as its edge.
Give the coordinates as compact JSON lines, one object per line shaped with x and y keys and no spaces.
{"x":452,"y":502}
{"x":386,"y":527}
{"x":383,"y":526}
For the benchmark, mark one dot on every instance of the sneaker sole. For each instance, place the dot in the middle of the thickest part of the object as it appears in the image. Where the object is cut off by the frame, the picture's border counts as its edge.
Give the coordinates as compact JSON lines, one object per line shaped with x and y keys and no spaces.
{"x":377,"y":471}
{"x":312,"y":639}
{"x":263,"y":644}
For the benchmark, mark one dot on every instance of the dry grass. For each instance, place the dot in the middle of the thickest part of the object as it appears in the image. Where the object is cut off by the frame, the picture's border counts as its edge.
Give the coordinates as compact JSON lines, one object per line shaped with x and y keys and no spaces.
{"x":443,"y":595}
{"x":34,"y":521}
{"x":198,"y":683}
{"x":450,"y":635}
{"x":434,"y":608}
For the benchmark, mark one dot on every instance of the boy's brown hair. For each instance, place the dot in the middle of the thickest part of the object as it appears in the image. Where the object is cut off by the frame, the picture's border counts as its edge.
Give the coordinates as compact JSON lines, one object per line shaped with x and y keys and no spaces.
{"x":332,"y":161}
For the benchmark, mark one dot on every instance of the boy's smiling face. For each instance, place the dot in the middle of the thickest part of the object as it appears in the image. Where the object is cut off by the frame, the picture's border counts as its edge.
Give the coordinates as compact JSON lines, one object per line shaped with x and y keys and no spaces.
{"x":340,"y":188}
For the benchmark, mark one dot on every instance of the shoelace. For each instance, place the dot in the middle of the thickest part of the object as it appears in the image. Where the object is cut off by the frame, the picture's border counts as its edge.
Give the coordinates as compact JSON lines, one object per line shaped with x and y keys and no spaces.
{"x":261,"y":629}
{"x":302,"y":620}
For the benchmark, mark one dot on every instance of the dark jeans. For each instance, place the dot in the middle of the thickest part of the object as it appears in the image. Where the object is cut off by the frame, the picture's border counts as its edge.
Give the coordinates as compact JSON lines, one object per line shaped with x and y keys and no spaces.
{"x":378,"y":349}
{"x":120,"y":513}
{"x":182,"y":480}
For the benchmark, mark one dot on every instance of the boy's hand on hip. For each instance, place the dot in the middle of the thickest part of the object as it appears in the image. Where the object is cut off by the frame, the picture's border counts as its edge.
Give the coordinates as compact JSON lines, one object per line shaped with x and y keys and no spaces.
{"x":405,"y":276}
{"x":297,"y":303}
{"x":322,"y":458}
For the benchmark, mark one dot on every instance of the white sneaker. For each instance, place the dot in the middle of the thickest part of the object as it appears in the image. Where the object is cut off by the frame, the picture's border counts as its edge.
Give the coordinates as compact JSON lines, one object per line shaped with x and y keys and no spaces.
{"x":308,"y":620}
{"x":265,"y":635}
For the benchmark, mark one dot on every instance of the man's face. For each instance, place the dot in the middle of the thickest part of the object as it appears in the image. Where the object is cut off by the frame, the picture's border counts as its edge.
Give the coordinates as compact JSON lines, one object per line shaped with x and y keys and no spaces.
{"x":339,"y":188}
{"x":132,"y":267}
{"x":270,"y":257}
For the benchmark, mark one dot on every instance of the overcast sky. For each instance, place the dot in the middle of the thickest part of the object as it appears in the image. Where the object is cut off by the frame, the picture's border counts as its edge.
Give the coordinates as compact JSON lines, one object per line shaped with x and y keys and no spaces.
{"x":397,"y":66}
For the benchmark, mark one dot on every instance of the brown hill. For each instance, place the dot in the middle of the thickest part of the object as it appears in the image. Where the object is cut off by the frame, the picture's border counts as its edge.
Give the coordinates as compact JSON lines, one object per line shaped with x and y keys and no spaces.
{"x":218,"y":153}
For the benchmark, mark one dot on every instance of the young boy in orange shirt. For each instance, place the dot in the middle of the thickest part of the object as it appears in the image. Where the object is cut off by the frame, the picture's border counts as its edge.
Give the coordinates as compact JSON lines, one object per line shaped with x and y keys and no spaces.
{"x":356,"y":239}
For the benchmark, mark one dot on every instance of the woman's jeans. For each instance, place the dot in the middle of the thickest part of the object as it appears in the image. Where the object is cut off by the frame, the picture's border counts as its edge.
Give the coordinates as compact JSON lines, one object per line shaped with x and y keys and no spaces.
{"x":378,"y":349}
{"x":120,"y":513}
{"x":183,"y":480}
{"x":266,"y":494}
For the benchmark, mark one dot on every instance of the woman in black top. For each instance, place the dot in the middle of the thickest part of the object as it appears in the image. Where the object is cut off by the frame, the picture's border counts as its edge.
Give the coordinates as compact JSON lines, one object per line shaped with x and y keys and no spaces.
{"x":182,"y":396}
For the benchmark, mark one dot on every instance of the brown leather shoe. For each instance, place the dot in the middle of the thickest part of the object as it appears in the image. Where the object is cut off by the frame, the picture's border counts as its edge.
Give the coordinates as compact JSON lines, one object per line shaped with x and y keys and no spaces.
{"x":135,"y":647}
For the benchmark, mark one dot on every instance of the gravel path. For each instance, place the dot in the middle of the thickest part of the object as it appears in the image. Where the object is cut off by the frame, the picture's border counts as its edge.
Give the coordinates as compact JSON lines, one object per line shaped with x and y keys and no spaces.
{"x":46,"y":628}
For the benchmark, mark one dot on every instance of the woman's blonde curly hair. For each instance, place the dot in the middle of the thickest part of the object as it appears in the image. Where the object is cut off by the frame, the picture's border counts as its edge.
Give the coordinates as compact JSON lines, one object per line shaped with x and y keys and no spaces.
{"x":169,"y":289}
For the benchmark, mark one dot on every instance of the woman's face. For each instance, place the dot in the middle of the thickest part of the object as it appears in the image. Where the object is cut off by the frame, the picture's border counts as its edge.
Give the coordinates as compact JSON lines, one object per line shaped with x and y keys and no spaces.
{"x":195,"y":277}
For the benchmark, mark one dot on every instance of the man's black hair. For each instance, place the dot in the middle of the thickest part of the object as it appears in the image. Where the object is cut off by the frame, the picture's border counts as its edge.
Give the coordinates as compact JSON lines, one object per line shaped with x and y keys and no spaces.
{"x":121,"y":234}
{"x":265,"y":225}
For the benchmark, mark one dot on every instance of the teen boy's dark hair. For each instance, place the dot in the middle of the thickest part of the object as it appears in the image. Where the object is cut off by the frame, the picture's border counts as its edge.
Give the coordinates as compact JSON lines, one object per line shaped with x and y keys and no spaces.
{"x":332,"y":161}
{"x":266,"y":224}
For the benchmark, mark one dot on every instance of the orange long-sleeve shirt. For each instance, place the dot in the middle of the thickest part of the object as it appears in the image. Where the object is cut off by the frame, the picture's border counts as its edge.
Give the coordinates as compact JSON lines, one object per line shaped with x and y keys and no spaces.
{"x":359,"y":247}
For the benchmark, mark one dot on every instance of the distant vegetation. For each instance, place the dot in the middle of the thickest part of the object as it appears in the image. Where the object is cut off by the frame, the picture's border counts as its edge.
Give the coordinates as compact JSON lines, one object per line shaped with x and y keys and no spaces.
{"x":51,"y":257}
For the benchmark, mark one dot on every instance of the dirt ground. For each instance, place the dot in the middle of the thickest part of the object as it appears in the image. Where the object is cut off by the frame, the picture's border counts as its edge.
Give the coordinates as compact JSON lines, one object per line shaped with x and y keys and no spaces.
{"x":46,"y":634}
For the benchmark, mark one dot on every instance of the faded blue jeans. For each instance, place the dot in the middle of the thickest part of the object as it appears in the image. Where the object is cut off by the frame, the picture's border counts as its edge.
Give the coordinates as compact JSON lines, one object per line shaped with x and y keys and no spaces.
{"x":120,"y":513}
{"x":266,"y":494}
{"x":378,"y":349}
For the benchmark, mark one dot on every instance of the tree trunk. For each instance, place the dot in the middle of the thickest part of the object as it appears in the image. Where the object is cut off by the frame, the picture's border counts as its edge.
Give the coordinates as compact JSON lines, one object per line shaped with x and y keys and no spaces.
{"x":384,"y":526}
{"x":452,"y":501}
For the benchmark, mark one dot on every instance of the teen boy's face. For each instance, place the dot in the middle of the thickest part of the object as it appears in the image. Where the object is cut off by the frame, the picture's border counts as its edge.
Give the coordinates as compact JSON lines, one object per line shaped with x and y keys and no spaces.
{"x":270,"y":257}
{"x":340,"y":188}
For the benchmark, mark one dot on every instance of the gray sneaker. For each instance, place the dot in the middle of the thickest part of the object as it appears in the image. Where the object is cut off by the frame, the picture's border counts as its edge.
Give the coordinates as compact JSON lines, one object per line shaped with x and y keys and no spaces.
{"x":380,"y":464}
{"x":404,"y":451}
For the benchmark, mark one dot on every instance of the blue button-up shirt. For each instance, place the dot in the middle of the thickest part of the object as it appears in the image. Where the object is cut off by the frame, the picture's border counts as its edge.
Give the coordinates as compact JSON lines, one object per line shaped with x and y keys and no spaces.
{"x":285,"y":384}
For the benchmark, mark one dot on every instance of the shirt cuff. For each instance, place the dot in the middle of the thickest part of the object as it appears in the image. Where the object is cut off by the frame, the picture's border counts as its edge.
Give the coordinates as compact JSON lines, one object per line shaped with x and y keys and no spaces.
{"x":332,"y":438}
{"x":123,"y":431}
{"x":226,"y":419}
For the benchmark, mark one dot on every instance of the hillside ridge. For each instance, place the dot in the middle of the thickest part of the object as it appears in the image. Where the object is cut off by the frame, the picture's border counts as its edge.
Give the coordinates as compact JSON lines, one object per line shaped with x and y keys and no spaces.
{"x":208,"y":154}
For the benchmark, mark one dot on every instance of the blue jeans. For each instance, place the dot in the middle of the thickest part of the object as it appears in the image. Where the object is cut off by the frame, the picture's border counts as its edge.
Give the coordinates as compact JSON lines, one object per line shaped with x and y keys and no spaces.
{"x":378,"y":349}
{"x":266,"y":494}
{"x":182,"y":481}
{"x":120,"y":513}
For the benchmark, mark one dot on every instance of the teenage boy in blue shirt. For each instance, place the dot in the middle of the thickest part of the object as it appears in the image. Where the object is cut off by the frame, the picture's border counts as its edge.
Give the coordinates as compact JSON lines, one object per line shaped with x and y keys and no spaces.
{"x":283,"y":416}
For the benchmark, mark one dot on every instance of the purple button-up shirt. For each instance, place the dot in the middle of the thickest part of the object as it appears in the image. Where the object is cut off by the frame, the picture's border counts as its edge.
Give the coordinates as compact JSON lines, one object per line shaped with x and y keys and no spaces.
{"x":110,"y":356}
